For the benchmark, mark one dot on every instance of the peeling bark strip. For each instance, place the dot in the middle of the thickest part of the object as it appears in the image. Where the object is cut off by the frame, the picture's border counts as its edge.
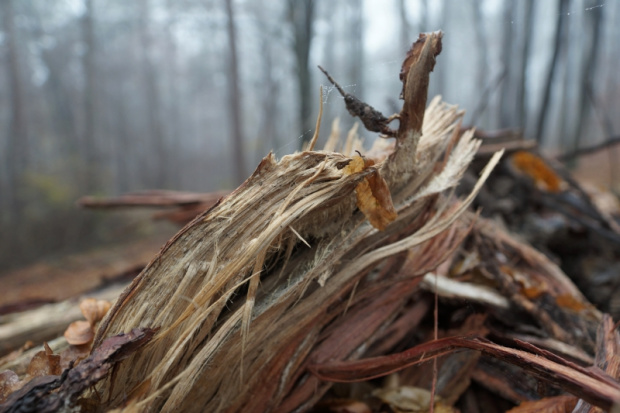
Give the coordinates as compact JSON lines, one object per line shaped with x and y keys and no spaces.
{"x":594,"y":386}
{"x":239,"y":296}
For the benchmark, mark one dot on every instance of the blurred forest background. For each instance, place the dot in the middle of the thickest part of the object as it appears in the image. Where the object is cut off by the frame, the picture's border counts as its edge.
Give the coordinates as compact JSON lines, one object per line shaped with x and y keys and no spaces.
{"x":106,"y":97}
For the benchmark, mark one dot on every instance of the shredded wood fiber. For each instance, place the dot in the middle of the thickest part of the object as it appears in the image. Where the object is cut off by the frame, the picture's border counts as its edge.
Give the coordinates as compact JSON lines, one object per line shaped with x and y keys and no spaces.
{"x":261,"y":284}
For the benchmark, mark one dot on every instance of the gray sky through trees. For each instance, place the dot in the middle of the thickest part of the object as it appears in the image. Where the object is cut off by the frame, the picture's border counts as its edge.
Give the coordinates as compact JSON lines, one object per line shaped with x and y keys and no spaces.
{"x":115,"y":96}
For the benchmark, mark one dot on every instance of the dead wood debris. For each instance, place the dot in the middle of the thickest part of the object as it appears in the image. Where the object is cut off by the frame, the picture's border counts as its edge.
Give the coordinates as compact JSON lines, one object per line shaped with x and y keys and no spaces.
{"x":51,"y":392}
{"x":575,"y":224}
{"x":337,"y":283}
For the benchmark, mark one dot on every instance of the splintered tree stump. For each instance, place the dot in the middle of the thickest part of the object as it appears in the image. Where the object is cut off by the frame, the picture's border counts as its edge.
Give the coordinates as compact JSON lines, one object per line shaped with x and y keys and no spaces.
{"x":246,"y":294}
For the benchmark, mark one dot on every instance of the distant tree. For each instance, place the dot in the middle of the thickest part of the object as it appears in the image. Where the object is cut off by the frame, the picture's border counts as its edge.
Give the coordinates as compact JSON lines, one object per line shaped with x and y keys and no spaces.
{"x":424,"y":16}
{"x":560,"y":33}
{"x":91,"y":177}
{"x":234,"y":96}
{"x":17,"y":142}
{"x":405,"y":27}
{"x":270,"y":86}
{"x":483,"y":52}
{"x":157,"y":159}
{"x":525,"y":56}
{"x":355,"y":47}
{"x":514,"y":55}
{"x":588,"y":62}
{"x":301,"y":17}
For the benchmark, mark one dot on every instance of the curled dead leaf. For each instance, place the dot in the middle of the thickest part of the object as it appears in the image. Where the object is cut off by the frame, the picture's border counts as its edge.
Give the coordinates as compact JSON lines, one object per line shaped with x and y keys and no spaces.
{"x":94,"y":310}
{"x":570,"y":302}
{"x":44,"y":363}
{"x":79,"y":332}
{"x":9,"y":382}
{"x":373,"y":194}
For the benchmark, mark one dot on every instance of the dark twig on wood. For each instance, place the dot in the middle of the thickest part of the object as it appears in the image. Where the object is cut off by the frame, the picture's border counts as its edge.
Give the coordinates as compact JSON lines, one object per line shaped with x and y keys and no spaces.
{"x":372,"y":119}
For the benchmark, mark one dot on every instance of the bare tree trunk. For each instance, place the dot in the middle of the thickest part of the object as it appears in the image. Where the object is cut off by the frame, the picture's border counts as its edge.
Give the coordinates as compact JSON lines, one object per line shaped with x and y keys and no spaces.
{"x":405,"y":27}
{"x":481,"y":39}
{"x":17,"y":142}
{"x":356,"y":51}
{"x":155,"y":127}
{"x":234,"y":96}
{"x":560,"y":33}
{"x":515,"y":50}
{"x":301,"y":16}
{"x":173,"y":101}
{"x":90,"y":179}
{"x":593,"y":18}
{"x":507,"y":97}
{"x":424,"y":18}
{"x":438,"y":84}
{"x":266,"y":138}
{"x":525,"y":54}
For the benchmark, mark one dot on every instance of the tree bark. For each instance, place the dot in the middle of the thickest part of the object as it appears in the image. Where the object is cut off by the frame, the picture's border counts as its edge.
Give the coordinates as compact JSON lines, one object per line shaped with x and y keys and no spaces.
{"x":234,"y":96}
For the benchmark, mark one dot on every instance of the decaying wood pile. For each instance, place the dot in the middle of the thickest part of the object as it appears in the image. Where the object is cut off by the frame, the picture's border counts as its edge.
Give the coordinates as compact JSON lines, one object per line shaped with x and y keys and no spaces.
{"x":328,"y":267}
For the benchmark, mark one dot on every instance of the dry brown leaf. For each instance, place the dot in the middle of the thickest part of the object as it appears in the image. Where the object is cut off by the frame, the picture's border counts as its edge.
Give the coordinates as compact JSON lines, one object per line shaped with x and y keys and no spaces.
{"x":9,"y":382}
{"x":558,"y":404}
{"x":373,"y":195}
{"x":94,"y":310}
{"x":44,"y":363}
{"x":79,"y":332}
{"x":532,"y":291}
{"x":570,"y":302}
{"x":535,"y":167}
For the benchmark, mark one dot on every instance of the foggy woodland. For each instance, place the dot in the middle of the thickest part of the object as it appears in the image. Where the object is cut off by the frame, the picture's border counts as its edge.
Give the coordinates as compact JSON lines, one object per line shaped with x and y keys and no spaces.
{"x":107,"y":97}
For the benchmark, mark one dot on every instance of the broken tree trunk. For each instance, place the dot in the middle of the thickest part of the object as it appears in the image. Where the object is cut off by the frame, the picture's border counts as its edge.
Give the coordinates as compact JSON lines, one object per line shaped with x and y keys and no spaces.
{"x":247,"y":291}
